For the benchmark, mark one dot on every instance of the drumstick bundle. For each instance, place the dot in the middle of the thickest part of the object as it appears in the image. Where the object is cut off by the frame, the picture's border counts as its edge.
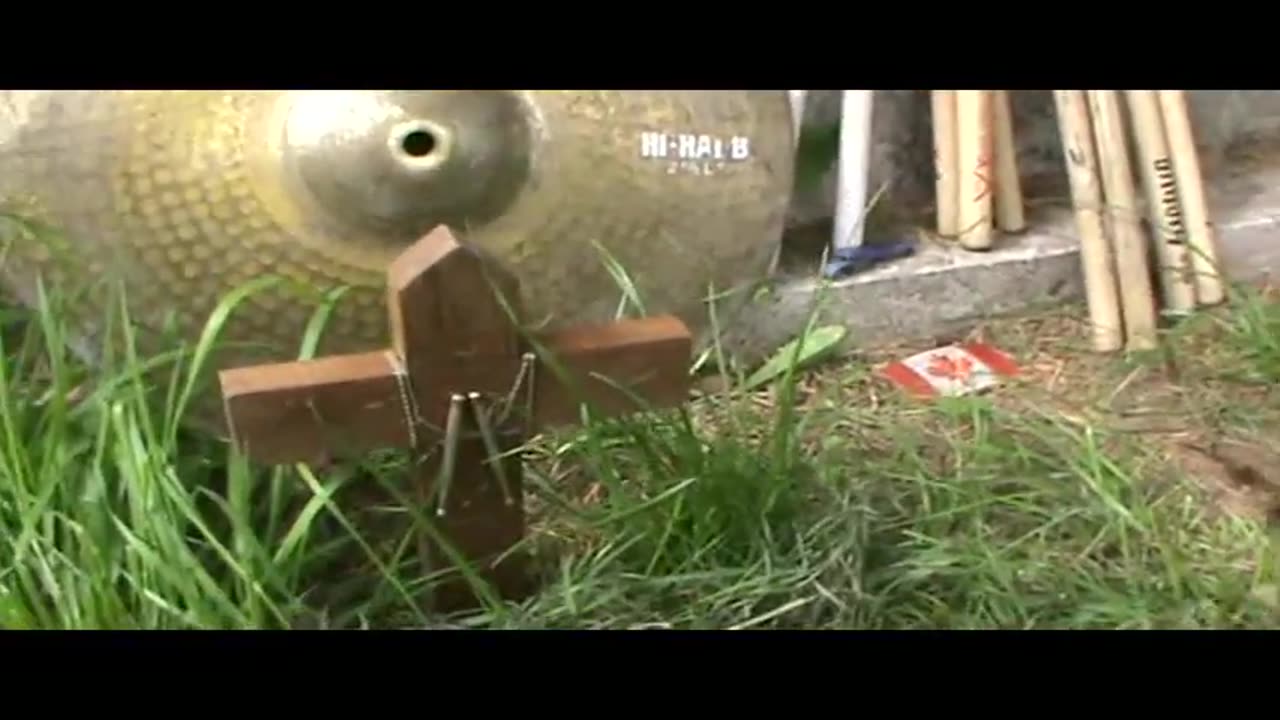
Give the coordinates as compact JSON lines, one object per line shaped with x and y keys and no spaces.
{"x":976,"y":167}
{"x":979,"y":192}
{"x":1180,"y":242}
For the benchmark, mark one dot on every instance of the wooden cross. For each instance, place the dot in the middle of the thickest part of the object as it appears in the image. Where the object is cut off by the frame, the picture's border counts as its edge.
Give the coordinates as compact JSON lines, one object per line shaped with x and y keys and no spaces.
{"x":447,"y":388}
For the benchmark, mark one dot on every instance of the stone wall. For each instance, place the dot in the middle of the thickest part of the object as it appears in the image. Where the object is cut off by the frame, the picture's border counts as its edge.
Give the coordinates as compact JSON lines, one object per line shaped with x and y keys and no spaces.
{"x":902,"y":145}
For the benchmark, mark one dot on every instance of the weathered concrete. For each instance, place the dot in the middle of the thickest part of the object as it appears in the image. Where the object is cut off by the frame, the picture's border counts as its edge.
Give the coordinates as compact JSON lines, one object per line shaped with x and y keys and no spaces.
{"x":943,"y":291}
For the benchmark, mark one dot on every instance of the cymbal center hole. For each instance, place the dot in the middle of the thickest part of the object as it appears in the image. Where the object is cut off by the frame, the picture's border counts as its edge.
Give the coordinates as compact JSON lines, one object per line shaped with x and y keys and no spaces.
{"x":418,"y":143}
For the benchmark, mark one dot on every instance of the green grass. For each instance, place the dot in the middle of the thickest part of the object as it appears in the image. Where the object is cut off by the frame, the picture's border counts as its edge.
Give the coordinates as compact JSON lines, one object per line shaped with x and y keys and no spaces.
{"x":1253,"y":333}
{"x":784,"y":508}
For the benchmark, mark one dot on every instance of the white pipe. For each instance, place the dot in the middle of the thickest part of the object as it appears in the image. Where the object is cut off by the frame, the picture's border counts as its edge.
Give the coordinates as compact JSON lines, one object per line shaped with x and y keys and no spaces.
{"x":855,"y":151}
{"x":797,"y":112}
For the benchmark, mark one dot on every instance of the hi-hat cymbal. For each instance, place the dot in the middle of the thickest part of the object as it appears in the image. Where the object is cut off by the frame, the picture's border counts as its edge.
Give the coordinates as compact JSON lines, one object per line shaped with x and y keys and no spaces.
{"x":188,"y":195}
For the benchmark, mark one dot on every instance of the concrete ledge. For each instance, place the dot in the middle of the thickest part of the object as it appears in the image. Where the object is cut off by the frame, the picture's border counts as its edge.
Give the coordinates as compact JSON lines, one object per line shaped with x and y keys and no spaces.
{"x":942,"y":290}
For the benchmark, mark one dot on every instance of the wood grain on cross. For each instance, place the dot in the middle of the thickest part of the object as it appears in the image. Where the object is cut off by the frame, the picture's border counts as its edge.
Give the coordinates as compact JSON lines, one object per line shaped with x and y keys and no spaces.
{"x":456,"y":343}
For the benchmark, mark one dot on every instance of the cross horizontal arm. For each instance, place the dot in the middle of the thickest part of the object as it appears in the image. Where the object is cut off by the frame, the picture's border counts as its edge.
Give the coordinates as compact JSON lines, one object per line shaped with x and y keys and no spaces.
{"x":308,"y":410}
{"x":624,"y":367}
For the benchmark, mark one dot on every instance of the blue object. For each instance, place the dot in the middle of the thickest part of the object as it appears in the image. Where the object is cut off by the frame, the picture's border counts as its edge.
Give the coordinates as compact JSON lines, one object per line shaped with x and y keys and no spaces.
{"x":848,"y":261}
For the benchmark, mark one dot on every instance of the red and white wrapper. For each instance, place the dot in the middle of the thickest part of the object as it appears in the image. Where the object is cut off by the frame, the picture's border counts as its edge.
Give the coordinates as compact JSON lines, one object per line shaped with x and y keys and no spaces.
{"x":951,"y":371}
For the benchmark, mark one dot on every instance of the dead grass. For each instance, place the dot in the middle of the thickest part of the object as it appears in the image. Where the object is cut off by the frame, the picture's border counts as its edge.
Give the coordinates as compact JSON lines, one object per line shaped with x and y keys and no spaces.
{"x":1093,"y":491}
{"x":1187,"y":402}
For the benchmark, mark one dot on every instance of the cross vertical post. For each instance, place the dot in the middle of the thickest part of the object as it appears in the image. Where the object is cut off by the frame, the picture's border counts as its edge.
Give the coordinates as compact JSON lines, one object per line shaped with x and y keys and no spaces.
{"x":448,"y":388}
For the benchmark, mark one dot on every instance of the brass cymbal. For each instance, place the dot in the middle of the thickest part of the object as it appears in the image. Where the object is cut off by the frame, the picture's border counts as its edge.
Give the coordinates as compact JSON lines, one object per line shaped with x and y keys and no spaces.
{"x":188,"y":195}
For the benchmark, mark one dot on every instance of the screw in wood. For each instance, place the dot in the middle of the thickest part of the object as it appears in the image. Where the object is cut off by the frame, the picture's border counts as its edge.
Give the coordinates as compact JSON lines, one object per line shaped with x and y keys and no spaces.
{"x":452,"y":433}
{"x":491,"y":445}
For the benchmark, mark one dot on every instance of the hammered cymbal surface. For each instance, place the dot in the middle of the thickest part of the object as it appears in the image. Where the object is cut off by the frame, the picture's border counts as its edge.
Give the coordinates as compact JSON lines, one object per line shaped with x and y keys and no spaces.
{"x":188,"y":195}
